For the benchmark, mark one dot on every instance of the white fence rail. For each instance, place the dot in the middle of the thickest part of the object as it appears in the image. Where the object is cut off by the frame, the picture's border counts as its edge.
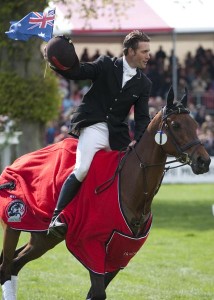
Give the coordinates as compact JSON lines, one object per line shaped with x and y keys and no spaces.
{"x":185,"y":175}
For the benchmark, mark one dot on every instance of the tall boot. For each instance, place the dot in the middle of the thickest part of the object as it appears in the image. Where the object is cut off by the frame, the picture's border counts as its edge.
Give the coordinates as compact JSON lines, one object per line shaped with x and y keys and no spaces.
{"x":69,"y":189}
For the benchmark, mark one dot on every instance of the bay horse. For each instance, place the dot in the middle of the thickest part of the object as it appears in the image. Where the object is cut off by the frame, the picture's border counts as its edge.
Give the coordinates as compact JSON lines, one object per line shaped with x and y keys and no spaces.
{"x":137,"y":179}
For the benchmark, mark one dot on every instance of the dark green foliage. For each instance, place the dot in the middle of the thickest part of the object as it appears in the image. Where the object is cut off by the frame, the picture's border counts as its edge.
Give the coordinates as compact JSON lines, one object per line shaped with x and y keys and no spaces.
{"x":24,"y":93}
{"x":35,"y":98}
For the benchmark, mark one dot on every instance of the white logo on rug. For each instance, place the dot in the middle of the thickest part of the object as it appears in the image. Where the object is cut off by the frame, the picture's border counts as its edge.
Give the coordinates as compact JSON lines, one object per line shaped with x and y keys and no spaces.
{"x":16,"y":210}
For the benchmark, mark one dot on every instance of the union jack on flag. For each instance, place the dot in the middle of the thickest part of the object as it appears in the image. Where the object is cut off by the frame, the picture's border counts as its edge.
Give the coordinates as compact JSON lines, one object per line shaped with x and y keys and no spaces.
{"x":42,"y":19}
{"x":38,"y":24}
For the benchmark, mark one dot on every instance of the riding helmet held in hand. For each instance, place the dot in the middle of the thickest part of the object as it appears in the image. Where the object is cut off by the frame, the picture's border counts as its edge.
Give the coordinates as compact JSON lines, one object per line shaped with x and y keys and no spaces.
{"x":61,"y":54}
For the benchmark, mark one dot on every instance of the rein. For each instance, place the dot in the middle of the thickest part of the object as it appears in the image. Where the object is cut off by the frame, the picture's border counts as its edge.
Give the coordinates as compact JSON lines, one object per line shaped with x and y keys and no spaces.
{"x":105,"y":185}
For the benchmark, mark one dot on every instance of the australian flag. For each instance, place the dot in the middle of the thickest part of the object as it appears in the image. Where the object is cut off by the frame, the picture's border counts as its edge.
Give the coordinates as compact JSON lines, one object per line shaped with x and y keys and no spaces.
{"x":38,"y":24}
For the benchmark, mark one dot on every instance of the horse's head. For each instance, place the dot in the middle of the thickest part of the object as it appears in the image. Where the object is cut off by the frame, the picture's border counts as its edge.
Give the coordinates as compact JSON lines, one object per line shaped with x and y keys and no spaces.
{"x":180,"y":132}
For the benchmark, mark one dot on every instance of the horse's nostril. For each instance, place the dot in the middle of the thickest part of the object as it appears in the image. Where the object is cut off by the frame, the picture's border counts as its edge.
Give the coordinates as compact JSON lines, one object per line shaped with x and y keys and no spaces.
{"x":203,"y":163}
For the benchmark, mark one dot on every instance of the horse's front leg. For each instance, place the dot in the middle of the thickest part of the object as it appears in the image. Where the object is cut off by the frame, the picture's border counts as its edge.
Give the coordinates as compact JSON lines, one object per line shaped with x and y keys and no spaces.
{"x":107,"y":279}
{"x":97,"y":290}
{"x":10,"y":241}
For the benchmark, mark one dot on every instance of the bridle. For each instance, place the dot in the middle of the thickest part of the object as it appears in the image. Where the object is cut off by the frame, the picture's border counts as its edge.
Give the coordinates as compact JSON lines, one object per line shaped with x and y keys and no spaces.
{"x":183,"y":157}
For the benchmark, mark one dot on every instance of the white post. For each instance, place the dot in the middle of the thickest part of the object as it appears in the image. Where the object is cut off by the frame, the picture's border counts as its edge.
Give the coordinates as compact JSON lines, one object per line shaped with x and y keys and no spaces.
{"x":6,"y":140}
{"x":174,"y":66}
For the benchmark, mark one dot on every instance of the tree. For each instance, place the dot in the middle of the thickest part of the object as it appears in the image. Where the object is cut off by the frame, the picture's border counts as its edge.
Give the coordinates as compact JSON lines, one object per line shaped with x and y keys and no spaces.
{"x":25,"y":95}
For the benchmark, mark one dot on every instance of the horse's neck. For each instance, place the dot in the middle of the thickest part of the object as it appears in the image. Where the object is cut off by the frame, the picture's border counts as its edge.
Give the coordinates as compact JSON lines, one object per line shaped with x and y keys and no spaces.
{"x":142,"y":173}
{"x":148,"y":150}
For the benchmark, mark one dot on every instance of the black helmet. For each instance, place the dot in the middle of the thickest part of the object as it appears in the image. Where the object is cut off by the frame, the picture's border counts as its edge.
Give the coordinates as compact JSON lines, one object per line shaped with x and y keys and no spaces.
{"x":61,"y":53}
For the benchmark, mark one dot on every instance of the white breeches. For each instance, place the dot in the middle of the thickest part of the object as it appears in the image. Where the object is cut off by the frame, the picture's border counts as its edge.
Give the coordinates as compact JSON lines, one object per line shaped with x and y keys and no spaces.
{"x":91,"y":140}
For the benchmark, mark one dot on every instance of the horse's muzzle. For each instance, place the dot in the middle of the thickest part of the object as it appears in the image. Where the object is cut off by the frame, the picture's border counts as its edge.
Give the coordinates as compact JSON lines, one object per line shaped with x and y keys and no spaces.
{"x":200,"y":165}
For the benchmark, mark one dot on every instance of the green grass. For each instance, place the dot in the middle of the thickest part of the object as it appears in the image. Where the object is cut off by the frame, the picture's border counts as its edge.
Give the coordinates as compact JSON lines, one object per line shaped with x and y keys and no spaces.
{"x":177,"y":261}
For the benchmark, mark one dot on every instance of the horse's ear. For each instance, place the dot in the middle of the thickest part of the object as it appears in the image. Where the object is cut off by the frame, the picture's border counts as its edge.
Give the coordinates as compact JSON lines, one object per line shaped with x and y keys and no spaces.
{"x":170,"y":98}
{"x":184,"y":98}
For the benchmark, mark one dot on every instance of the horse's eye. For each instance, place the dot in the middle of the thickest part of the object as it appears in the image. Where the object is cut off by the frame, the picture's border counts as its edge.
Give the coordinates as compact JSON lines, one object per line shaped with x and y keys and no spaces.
{"x":175,"y":125}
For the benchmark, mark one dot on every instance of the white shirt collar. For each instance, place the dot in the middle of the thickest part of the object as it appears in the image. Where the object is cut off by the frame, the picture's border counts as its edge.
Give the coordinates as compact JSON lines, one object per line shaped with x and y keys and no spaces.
{"x":127,"y":69}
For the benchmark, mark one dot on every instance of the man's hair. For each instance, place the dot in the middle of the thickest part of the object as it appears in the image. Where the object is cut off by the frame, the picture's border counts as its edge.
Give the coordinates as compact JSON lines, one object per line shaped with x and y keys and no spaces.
{"x":132,"y":40}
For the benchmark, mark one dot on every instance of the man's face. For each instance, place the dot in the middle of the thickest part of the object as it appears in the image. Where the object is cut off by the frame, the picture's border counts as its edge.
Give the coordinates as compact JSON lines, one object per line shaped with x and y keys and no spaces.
{"x":138,"y":58}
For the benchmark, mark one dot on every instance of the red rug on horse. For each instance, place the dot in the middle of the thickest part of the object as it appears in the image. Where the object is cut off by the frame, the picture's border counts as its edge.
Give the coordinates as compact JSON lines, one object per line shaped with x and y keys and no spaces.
{"x":98,"y":234}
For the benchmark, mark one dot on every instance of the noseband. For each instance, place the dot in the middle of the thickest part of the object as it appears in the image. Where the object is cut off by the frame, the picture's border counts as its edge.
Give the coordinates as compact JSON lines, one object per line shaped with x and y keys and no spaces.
{"x":183,"y":157}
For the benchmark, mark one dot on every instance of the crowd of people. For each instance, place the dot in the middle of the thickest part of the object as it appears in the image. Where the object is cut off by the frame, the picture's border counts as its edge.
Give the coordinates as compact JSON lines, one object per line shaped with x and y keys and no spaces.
{"x":196,"y":73}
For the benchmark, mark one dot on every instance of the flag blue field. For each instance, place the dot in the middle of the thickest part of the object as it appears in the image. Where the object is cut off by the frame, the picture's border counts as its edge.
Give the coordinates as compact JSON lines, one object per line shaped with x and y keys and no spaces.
{"x":39,"y":24}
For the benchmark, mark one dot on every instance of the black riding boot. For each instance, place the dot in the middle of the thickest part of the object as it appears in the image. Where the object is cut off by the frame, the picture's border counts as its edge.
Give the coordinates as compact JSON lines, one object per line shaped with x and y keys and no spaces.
{"x":69,"y":189}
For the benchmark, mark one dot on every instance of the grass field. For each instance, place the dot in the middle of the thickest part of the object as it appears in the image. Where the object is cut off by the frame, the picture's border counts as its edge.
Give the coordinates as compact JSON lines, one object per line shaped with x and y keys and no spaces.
{"x":177,"y":261}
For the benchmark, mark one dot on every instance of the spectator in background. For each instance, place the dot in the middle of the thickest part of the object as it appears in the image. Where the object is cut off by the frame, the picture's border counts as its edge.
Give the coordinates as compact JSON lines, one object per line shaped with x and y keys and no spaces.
{"x":153,"y":74}
{"x":189,"y":60}
{"x":209,"y":141}
{"x":160,"y":54}
{"x":160,"y":58}
{"x":172,"y":57}
{"x":208,"y":97}
{"x":51,"y":132}
{"x":85,"y":56}
{"x":67,"y":103}
{"x":62,"y":135}
{"x":193,"y":110}
{"x":208,"y":123}
{"x":96,"y":55}
{"x":200,"y":115}
{"x":198,"y":87}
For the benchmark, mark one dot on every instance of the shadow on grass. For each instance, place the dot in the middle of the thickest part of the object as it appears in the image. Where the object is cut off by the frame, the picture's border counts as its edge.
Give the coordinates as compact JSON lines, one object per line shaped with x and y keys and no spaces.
{"x":179,"y":216}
